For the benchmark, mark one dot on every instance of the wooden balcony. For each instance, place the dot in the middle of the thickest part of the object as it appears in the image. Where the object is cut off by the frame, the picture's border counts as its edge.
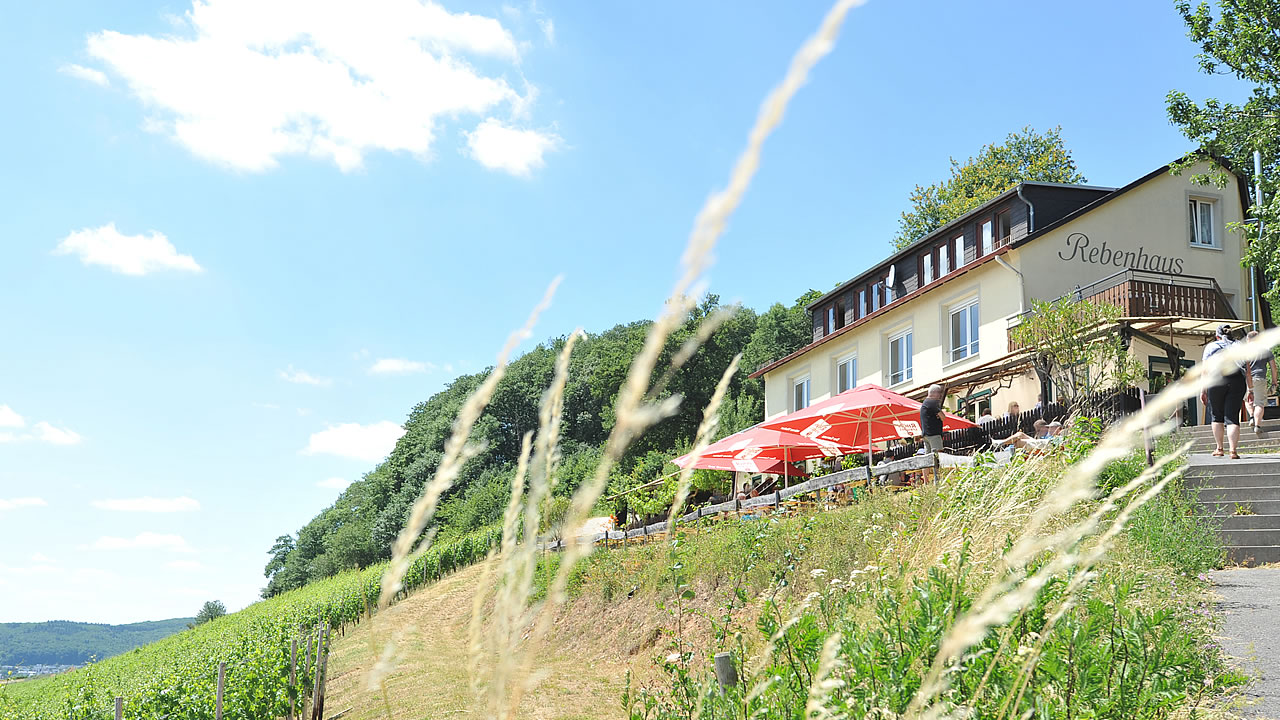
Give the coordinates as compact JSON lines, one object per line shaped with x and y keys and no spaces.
{"x":1139,"y":293}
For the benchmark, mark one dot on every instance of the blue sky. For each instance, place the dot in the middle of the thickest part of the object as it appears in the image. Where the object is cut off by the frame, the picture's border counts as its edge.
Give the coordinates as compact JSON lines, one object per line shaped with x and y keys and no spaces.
{"x":240,"y":241}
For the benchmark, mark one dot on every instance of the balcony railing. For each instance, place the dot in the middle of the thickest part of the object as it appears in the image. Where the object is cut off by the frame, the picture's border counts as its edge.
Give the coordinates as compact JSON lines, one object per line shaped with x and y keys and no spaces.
{"x":1140,"y":293}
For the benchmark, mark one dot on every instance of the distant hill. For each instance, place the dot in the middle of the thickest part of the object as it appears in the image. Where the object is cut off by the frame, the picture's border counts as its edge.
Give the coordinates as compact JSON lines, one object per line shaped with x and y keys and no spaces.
{"x":61,"y":642}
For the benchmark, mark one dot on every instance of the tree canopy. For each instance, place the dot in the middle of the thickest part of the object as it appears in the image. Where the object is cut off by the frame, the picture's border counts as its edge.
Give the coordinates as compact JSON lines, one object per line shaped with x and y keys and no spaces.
{"x":357,"y":530}
{"x":211,"y":610}
{"x":1024,"y":156}
{"x":1240,"y":38}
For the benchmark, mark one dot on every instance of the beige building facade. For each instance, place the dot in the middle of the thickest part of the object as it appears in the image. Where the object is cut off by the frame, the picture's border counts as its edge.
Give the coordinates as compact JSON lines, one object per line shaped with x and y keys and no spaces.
{"x":941,"y":310}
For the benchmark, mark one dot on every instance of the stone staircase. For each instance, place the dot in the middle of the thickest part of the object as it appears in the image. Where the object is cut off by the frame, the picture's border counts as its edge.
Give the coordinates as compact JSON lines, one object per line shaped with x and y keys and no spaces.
{"x":1243,"y":495}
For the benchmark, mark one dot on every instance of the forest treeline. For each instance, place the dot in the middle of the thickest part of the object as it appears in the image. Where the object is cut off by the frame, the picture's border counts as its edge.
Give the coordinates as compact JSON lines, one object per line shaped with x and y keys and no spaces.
{"x":357,"y":530}
{"x":60,"y":642}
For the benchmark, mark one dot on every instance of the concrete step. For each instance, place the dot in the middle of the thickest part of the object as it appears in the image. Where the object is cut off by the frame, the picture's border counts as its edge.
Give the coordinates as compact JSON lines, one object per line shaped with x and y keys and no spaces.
{"x":1232,"y":481}
{"x":1220,"y":508}
{"x":1240,"y":495}
{"x":1250,"y":555}
{"x":1248,"y":442}
{"x":1249,"y":538}
{"x":1267,"y":425}
{"x":1246,"y":522}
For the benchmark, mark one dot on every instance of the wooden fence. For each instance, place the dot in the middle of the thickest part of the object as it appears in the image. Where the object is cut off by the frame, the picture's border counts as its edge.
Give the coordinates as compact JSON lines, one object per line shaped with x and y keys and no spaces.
{"x":853,"y":476}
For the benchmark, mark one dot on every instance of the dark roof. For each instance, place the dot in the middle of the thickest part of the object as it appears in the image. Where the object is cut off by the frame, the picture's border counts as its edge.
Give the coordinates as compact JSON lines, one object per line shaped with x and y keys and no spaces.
{"x":945,"y":230}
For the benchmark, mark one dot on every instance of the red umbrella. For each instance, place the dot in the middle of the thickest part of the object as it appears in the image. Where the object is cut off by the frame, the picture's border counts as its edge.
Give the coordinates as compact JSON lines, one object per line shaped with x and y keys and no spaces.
{"x":859,"y":417}
{"x":757,"y":448}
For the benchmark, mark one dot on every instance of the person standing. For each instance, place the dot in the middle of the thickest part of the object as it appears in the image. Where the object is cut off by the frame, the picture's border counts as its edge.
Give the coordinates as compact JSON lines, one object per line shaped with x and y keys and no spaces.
{"x":1259,"y":389}
{"x":1225,"y":396}
{"x":931,"y":419}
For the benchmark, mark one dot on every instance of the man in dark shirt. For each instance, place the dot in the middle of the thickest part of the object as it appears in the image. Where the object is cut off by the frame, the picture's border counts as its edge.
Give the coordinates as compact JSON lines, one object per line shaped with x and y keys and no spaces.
{"x":931,"y":419}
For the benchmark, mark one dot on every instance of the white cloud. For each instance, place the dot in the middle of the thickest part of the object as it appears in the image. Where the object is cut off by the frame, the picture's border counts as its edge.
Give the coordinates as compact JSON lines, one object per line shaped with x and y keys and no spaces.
{"x":252,"y":81}
{"x":370,"y":443}
{"x":399,"y":366}
{"x":9,"y":418}
{"x":144,"y":541}
{"x":548,"y":29}
{"x":125,"y":254}
{"x":22,"y":502}
{"x":184,"y":565}
{"x":97,"y":77}
{"x":302,"y":377}
{"x":149,"y":504}
{"x":55,"y":436}
{"x":334,"y":483}
{"x":499,"y":147}
{"x":41,"y":558}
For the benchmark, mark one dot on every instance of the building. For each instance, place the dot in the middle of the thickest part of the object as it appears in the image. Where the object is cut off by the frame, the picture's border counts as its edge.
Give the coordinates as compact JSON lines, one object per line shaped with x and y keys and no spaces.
{"x":940,"y":310}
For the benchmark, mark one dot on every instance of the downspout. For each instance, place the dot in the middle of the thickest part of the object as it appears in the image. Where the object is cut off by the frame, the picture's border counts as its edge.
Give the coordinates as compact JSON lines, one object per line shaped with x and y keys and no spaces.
{"x":1031,"y":211}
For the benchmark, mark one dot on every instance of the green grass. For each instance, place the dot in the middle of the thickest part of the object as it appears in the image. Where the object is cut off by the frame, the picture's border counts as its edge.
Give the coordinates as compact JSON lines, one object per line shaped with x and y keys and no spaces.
{"x":176,"y":677}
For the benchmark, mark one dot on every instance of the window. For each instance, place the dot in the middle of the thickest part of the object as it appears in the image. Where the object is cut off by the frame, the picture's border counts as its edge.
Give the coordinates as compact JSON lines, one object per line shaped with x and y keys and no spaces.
{"x":876,"y":291}
{"x":943,"y":268}
{"x":1202,"y":223}
{"x":800,"y":394}
{"x":1004,"y":228}
{"x":959,"y":243}
{"x":831,"y":319}
{"x":862,"y":303}
{"x":888,"y":294}
{"x":964,"y":332}
{"x":984,"y":232}
{"x":900,"y":358}
{"x":928,"y":269}
{"x":839,"y":315}
{"x":847,"y":374}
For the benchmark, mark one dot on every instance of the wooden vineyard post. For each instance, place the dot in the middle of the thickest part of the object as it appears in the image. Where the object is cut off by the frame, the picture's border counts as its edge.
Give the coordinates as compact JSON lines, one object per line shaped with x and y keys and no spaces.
{"x":321,"y":656}
{"x":293,"y":675}
{"x":222,"y":680}
{"x":324,"y":673}
{"x":119,"y":708}
{"x":306,"y":670}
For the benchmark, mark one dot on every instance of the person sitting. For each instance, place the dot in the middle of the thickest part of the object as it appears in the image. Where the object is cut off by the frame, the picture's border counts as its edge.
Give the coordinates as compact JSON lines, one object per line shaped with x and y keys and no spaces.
{"x":1038,"y":440}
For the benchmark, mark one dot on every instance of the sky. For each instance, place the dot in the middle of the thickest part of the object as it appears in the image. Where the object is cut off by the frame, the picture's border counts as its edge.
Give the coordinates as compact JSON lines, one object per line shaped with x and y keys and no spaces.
{"x":242,"y":238}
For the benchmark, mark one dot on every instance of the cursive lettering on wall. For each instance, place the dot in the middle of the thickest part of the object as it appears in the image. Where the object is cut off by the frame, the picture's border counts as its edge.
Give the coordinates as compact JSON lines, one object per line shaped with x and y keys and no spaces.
{"x":1080,"y":247}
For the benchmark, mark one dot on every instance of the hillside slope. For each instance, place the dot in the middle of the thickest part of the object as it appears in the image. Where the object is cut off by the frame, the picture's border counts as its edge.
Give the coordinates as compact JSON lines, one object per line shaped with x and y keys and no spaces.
{"x":583,"y":672}
{"x":61,"y":642}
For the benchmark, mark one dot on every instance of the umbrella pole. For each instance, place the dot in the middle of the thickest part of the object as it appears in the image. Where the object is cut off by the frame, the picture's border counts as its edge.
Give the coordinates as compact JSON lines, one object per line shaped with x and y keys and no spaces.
{"x":869,"y":455}
{"x":786,"y":460}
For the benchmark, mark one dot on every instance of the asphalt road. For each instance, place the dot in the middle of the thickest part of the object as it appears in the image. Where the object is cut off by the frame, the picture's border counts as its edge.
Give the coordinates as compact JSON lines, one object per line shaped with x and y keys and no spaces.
{"x":1250,"y":604}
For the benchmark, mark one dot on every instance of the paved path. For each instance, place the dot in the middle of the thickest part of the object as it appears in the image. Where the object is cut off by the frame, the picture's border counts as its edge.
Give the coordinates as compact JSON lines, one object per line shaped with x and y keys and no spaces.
{"x":1250,"y":607}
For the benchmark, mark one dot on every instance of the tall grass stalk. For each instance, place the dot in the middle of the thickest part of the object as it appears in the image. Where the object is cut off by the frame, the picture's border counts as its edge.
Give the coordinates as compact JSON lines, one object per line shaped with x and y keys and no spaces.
{"x":706,"y":430}
{"x":455,"y":455}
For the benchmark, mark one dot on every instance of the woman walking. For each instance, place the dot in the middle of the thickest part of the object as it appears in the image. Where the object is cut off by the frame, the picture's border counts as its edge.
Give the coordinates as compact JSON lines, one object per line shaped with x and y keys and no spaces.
{"x":1225,"y":398}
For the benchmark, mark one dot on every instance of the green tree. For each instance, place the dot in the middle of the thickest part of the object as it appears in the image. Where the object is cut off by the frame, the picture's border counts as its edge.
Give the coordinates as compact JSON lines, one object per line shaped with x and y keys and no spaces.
{"x":1024,"y":156}
{"x":1239,"y":39}
{"x":211,"y":610}
{"x":1079,"y":347}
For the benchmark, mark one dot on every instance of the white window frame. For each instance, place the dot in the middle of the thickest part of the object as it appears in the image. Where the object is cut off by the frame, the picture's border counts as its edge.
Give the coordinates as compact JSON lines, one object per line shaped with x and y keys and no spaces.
{"x":831,"y":319}
{"x":907,"y":371}
{"x":851,"y":361}
{"x":796,"y":382}
{"x":943,"y":264}
{"x":876,"y":291}
{"x":862,"y":303}
{"x":971,"y":347}
{"x":1197,"y":205}
{"x":928,"y":268}
{"x":959,"y":243}
{"x":987,"y":239}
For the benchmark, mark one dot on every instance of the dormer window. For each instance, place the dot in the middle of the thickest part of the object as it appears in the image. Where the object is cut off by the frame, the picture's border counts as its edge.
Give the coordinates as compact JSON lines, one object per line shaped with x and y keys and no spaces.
{"x":986,"y":234}
{"x":1004,"y":228}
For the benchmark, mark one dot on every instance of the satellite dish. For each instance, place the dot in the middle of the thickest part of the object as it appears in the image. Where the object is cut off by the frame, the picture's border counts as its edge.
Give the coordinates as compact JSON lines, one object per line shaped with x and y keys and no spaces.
{"x":893,"y":275}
